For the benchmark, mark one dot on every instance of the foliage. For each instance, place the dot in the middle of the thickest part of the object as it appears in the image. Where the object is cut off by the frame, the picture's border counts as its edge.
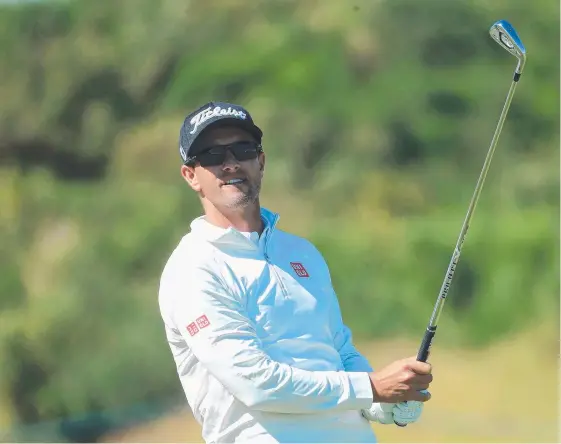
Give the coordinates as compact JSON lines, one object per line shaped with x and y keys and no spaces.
{"x":377,"y":117}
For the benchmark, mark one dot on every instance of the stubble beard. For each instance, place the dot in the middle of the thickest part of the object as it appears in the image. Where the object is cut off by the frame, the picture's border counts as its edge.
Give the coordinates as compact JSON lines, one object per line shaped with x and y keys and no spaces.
{"x":247,"y":198}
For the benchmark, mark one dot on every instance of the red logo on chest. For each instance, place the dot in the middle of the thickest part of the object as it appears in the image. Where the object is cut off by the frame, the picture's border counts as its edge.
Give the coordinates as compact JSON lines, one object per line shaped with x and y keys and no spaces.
{"x":299,"y":269}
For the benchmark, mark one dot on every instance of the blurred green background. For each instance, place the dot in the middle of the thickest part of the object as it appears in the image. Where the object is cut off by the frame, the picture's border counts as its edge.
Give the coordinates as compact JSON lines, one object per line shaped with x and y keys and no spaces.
{"x":377,"y":118}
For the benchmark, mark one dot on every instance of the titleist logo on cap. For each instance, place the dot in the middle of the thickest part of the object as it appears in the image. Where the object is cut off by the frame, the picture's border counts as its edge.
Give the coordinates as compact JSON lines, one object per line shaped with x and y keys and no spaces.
{"x":209,"y":113}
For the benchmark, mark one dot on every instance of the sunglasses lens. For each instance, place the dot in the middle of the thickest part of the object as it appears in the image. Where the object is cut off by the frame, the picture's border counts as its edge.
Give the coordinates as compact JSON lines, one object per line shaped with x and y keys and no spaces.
{"x":211,"y":157}
{"x":244,"y":150}
{"x":216,"y":155}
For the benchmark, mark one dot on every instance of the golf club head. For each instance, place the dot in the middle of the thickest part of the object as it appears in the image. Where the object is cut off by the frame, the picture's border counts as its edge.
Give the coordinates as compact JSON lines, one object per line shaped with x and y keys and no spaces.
{"x":506,"y":36}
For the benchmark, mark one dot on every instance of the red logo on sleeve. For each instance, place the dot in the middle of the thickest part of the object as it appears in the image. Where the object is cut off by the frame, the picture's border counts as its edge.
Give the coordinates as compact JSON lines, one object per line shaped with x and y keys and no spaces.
{"x":203,"y":321}
{"x":299,"y":269}
{"x":192,"y":329}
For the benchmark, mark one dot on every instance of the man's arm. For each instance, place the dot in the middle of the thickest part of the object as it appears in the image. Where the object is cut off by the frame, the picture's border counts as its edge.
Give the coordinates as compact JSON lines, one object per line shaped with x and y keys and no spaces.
{"x":353,"y":360}
{"x":216,"y":327}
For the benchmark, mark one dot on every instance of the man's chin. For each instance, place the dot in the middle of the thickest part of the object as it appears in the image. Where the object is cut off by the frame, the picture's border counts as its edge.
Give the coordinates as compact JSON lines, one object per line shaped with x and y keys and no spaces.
{"x":240,"y":202}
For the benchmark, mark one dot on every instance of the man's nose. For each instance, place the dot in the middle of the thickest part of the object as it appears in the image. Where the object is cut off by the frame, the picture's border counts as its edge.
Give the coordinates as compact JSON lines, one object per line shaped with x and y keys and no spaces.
{"x":230,"y":162}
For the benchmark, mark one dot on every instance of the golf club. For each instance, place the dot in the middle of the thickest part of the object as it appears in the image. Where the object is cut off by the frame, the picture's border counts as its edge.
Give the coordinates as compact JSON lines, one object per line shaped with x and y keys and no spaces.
{"x":505,"y":34}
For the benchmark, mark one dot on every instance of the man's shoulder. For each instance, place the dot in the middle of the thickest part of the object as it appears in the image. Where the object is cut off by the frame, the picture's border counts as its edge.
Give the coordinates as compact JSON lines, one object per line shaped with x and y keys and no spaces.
{"x":294,"y":241}
{"x":190,"y":262}
{"x":189,"y":254}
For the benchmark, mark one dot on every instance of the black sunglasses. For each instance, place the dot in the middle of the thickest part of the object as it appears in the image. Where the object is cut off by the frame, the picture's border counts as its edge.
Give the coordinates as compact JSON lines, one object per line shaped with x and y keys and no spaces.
{"x":215,"y":155}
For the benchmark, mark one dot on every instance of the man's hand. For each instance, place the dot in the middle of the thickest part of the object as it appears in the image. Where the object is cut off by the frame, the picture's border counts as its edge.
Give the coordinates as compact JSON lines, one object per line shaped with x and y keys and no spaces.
{"x":402,"y":413}
{"x":381,"y":412}
{"x":402,"y":381}
{"x":407,"y":412}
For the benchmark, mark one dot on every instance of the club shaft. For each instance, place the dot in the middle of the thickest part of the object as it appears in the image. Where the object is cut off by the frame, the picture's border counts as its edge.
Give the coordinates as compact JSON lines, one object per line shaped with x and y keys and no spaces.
{"x":433,"y":323}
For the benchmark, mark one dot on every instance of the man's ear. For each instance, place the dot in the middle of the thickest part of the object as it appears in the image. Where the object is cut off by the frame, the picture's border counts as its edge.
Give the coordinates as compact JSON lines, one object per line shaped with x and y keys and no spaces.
{"x":262,"y":161}
{"x":190,"y":176}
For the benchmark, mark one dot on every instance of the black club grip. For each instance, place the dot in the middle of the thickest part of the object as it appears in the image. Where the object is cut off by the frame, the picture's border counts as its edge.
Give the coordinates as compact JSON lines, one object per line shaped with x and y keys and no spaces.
{"x":424,"y":350}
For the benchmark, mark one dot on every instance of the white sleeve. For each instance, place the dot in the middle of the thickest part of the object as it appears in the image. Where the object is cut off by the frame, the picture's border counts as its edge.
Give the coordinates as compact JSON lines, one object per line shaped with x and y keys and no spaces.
{"x":353,"y":360}
{"x":215,"y":325}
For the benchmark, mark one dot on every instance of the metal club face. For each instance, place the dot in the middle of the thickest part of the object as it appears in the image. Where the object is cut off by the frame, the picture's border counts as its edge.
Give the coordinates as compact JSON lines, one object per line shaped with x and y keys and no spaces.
{"x":506,"y":36}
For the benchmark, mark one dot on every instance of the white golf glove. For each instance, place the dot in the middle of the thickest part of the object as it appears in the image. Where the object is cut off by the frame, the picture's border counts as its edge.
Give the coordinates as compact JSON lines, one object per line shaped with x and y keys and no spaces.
{"x":402,"y":413}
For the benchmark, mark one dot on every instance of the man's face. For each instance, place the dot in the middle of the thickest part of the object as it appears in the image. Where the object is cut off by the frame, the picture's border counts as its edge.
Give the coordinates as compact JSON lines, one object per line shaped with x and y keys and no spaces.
{"x":211,"y":181}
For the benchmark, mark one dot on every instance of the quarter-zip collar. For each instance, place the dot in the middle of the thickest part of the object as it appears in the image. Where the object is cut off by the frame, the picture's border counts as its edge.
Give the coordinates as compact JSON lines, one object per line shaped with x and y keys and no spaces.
{"x":231,"y":237}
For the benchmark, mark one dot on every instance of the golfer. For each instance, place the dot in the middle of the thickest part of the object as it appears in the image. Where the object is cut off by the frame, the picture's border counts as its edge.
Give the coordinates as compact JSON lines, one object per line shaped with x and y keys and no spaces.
{"x":251,"y":316}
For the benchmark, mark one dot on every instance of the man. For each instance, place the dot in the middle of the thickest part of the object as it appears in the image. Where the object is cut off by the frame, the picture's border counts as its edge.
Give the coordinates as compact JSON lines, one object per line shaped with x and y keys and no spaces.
{"x":251,"y":317}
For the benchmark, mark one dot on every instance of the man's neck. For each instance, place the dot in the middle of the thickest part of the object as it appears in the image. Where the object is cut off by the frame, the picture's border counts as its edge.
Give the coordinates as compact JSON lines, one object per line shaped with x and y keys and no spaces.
{"x":247,"y":219}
